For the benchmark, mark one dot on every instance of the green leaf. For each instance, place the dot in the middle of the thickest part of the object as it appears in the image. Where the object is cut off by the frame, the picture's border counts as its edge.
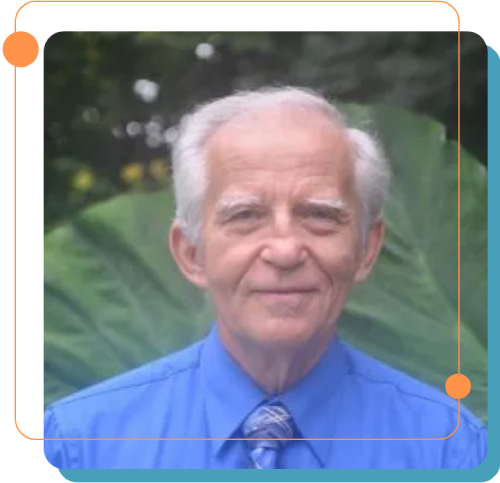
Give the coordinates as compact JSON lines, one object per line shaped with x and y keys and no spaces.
{"x":115,"y":299}
{"x":407,"y":313}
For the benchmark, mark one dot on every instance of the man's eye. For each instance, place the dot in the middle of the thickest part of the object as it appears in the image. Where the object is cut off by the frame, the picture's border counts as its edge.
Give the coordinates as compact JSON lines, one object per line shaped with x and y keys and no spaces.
{"x":244,"y":215}
{"x":321,"y":214}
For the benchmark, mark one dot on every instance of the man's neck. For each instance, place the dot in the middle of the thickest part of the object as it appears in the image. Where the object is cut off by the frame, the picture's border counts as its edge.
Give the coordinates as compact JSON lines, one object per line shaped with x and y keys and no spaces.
{"x":275,"y":368}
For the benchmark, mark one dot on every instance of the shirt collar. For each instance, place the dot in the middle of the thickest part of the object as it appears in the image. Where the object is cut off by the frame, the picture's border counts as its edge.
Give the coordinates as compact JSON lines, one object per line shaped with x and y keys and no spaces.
{"x":231,"y":395}
{"x":311,"y":400}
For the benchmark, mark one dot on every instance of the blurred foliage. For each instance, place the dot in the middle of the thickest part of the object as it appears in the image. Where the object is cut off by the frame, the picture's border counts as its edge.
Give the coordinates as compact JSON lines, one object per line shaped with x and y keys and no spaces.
{"x":112,"y":100}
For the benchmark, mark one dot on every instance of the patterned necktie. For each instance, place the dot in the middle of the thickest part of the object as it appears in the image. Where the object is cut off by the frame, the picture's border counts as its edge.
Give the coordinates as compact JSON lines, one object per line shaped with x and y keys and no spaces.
{"x":267,"y":421}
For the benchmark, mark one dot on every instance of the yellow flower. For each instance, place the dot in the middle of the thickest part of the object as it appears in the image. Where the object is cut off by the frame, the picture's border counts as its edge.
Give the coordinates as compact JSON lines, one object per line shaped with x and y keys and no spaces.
{"x":132,"y":173}
{"x":158,"y":169}
{"x":83,"y":180}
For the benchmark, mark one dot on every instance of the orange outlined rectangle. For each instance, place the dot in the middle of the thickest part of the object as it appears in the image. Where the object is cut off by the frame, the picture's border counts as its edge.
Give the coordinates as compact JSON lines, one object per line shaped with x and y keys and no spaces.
{"x":15,"y":220}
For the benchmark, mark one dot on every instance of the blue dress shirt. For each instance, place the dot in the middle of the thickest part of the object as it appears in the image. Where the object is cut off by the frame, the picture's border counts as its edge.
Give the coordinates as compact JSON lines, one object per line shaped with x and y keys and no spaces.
{"x":201,"y":392}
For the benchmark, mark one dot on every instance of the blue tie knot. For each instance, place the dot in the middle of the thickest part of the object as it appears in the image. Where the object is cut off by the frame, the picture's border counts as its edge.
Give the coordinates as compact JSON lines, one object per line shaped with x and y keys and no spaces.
{"x":266,"y":427}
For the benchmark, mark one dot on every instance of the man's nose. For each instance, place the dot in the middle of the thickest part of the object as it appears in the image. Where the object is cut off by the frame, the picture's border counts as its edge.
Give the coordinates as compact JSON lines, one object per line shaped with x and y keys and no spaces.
{"x":284,"y":246}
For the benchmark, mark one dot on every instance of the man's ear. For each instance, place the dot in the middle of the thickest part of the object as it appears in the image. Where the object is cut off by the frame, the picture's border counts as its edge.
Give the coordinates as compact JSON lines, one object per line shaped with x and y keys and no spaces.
{"x":187,"y":256}
{"x":373,"y":244}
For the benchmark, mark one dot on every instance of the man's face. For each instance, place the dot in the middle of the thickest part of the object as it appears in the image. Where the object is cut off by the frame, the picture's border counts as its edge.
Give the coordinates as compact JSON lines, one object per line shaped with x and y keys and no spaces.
{"x":280,"y":246}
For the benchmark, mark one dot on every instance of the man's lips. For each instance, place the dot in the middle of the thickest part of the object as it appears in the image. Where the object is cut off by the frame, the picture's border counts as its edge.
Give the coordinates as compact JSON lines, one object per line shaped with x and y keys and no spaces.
{"x":292,"y":298}
{"x":291,"y":290}
{"x":285,"y":295}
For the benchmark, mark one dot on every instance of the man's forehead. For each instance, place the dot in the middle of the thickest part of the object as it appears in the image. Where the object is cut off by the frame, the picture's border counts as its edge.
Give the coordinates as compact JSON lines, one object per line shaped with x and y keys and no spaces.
{"x":275,"y":140}
{"x":281,"y":150}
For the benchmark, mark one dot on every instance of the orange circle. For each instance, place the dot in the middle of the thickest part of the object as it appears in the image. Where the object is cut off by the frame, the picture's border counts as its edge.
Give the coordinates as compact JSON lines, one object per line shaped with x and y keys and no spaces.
{"x":20,"y":49}
{"x":458,"y":386}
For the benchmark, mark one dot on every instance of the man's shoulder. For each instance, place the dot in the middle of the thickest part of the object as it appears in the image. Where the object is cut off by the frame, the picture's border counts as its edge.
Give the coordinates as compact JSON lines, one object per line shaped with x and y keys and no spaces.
{"x":417,"y":396}
{"x":153,"y":377}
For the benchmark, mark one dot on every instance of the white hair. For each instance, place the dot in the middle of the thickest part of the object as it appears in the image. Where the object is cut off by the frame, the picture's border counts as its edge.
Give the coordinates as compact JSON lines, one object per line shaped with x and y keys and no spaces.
{"x":372,"y":171}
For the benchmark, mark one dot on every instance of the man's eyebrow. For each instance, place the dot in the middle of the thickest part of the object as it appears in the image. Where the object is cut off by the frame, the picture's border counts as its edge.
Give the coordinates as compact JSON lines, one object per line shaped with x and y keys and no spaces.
{"x":331,"y":203}
{"x":231,"y":203}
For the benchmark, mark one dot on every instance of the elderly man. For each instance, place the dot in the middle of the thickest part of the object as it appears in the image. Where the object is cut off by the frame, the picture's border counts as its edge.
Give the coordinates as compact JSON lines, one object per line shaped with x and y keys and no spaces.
{"x":279,"y":214}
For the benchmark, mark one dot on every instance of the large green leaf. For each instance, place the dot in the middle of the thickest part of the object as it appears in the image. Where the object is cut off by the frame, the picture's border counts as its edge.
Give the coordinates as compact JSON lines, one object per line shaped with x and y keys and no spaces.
{"x":115,"y":299}
{"x":113,"y":295}
{"x":407,"y":314}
